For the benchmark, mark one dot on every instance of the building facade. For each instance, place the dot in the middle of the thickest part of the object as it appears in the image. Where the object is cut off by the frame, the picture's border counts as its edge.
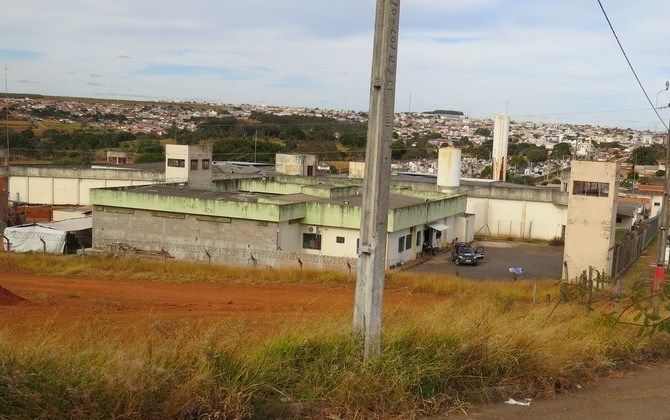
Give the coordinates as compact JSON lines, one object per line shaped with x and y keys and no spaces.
{"x":263,"y":222}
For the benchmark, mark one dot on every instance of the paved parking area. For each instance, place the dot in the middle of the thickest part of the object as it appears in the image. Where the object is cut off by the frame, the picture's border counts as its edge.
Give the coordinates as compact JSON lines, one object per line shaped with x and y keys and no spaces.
{"x":538,"y":262}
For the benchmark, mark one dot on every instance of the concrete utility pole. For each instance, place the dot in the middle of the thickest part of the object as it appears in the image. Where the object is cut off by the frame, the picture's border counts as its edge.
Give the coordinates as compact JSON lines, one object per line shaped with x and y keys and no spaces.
{"x":376,"y":184}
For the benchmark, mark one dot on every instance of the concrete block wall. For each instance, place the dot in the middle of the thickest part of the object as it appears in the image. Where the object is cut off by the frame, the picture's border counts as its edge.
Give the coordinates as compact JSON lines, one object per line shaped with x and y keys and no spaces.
{"x":184,"y":237}
{"x":155,"y":230}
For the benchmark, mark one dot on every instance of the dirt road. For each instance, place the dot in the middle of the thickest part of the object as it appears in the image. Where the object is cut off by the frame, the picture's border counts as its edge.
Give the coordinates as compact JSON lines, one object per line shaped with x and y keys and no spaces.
{"x":641,"y":395}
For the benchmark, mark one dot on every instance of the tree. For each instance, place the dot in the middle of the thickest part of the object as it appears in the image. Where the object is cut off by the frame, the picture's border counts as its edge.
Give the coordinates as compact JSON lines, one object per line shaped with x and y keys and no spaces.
{"x":481,"y":152}
{"x":561,"y":150}
{"x":398,"y":149}
{"x":645,"y":155}
{"x":353,"y":137}
{"x":149,"y":151}
{"x":518,"y":161}
{"x":483,"y":131}
{"x":535,"y":155}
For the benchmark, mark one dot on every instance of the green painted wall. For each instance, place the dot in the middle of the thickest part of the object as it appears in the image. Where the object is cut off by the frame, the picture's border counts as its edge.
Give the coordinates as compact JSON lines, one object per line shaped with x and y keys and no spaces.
{"x":271,"y":212}
{"x":333,"y":215}
{"x":427,"y":212}
{"x":346,"y":216}
{"x":266,"y":208}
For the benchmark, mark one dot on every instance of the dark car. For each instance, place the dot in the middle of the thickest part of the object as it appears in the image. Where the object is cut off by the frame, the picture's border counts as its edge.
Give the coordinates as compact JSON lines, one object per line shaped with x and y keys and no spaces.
{"x":464,"y":254}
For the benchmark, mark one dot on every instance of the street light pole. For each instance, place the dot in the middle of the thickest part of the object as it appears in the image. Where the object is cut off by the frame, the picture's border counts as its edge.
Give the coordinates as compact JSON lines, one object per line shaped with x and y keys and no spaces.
{"x":659,"y":274}
{"x":667,"y":86}
{"x":7,"y":115}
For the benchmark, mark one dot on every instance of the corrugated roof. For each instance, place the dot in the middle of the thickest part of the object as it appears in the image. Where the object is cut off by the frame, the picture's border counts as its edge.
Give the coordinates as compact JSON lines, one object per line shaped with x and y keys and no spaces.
{"x":71,"y":225}
{"x":627,"y":208}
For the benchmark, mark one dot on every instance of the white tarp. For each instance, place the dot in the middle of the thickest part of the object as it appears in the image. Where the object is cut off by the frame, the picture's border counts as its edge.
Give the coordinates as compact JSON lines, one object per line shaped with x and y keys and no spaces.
{"x":27,"y":238}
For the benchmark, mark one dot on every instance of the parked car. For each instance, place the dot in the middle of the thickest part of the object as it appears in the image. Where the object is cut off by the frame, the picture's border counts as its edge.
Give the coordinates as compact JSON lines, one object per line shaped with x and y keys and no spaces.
{"x":465,"y":254}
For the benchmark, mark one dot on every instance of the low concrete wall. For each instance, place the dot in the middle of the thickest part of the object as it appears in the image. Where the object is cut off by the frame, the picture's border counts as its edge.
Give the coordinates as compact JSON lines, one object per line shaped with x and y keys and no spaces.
{"x":226,"y":256}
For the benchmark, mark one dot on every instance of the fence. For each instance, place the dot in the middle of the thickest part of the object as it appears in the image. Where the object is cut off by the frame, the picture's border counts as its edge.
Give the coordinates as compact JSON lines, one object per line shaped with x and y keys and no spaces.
{"x":630,"y":247}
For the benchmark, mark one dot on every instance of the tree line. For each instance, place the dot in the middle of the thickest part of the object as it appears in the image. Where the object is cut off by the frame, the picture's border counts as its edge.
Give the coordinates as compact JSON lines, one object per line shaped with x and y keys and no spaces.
{"x":260,"y":136}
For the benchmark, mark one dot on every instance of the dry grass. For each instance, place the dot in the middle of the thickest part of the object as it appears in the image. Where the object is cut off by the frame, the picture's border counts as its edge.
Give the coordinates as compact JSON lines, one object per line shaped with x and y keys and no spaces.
{"x":170,"y":271}
{"x":485,"y":341}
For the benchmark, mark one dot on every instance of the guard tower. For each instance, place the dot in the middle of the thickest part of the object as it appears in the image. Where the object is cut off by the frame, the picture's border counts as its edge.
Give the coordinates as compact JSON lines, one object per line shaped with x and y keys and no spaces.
{"x":188,"y":163}
{"x":590,"y":227}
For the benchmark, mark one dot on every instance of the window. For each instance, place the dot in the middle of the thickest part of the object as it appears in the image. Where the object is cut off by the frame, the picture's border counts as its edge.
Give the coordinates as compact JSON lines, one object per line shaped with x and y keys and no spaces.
{"x":593,"y":189}
{"x":205,"y":164}
{"x":194,"y":164}
{"x":176,"y":163}
{"x":339,"y":239}
{"x":404,"y":243}
{"x":418,"y":239}
{"x":311,"y":241}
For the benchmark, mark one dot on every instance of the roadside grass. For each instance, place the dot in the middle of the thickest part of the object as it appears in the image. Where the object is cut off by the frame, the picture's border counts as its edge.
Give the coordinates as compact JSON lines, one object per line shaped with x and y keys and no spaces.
{"x":171,"y":271}
{"x":485,"y":342}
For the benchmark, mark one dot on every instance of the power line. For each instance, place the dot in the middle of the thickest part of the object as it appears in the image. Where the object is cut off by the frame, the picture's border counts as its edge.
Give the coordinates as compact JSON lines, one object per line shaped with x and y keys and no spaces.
{"x":653,"y":106}
{"x":579,"y":113}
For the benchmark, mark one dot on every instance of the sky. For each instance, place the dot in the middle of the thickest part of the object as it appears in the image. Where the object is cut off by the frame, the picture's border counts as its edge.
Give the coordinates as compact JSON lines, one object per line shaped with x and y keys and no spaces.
{"x":545,"y":61}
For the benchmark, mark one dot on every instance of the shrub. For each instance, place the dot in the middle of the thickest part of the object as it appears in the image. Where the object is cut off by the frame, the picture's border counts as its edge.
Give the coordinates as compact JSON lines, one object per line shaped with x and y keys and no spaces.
{"x":557,"y":241}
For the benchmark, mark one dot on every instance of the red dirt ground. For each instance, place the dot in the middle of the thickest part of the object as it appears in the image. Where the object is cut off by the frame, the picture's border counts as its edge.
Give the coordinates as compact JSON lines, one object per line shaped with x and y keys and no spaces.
{"x":125,"y":303}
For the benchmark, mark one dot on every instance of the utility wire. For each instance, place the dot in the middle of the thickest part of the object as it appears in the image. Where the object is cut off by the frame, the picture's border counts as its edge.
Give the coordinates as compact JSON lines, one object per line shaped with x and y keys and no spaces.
{"x":581,"y":113}
{"x":653,"y":106}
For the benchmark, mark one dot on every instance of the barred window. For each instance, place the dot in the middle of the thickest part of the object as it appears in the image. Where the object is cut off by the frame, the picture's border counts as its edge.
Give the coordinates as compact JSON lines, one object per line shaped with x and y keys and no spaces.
{"x":594,"y":189}
{"x":311,"y":241}
{"x":176,"y":163}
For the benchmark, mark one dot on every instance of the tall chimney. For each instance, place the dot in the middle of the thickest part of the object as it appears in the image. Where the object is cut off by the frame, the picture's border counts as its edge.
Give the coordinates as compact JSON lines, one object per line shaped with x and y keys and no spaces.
{"x":500,"y":141}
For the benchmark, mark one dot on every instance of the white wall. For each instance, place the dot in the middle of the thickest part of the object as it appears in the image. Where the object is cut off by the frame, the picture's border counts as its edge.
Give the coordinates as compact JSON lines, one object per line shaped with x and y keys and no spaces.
{"x":60,"y":191}
{"x":395,"y":257}
{"x":42,"y":189}
{"x":174,"y":173}
{"x":516,"y":219}
{"x":295,"y":164}
{"x":329,"y":244}
{"x":356,"y":170}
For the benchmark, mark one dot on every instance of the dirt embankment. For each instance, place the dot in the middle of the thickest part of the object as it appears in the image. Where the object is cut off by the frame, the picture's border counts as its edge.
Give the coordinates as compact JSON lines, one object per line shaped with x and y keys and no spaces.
{"x":28,"y":301}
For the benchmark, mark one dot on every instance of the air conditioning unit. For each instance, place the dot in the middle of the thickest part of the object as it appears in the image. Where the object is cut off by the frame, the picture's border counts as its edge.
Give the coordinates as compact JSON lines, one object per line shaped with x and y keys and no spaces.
{"x":313,"y":229}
